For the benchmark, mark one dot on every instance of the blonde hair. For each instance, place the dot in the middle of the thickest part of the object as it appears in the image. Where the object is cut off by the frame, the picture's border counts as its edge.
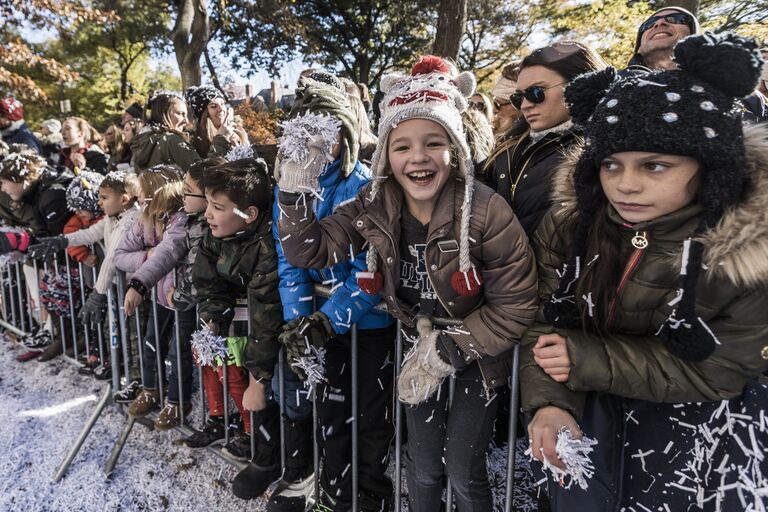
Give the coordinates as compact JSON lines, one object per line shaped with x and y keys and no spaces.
{"x":90,"y":134}
{"x":163,"y":187}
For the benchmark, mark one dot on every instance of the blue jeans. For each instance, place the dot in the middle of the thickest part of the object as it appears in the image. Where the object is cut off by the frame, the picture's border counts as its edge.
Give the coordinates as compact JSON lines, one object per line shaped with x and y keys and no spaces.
{"x":297,"y":406}
{"x":167,"y":333}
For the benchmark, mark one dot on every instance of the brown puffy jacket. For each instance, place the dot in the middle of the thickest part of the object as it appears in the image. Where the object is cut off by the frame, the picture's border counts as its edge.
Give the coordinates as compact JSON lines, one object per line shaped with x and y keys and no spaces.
{"x":494,"y":319}
{"x":630,"y":361}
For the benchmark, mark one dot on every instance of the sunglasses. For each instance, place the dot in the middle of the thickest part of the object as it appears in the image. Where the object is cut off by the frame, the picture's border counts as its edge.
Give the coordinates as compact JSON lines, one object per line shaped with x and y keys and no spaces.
{"x":498,"y":105}
{"x":199,"y":196}
{"x":678,"y":18}
{"x":477,"y":105}
{"x":534,"y":94}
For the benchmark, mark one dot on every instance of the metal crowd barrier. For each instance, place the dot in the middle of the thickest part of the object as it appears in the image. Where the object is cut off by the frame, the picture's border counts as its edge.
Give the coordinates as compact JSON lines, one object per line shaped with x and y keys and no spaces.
{"x":17,"y":316}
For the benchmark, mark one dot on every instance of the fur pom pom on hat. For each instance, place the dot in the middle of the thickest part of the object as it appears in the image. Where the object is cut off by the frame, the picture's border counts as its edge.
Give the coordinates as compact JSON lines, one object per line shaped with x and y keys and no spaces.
{"x":83,"y":192}
{"x":198,"y":98}
{"x":690,"y":111}
{"x":430,"y":92}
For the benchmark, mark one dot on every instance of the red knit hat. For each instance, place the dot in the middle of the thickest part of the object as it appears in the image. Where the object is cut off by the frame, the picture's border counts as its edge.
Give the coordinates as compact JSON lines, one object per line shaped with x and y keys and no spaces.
{"x":11,"y":109}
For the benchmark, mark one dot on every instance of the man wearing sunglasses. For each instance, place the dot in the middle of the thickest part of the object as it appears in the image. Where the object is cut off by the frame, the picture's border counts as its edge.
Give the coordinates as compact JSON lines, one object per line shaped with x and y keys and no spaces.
{"x":658,"y":35}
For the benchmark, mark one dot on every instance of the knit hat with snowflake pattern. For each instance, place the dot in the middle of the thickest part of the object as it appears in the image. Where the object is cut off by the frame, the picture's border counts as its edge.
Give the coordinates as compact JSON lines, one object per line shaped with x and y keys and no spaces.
{"x":83,"y":192}
{"x":431,"y":93}
{"x":690,"y":111}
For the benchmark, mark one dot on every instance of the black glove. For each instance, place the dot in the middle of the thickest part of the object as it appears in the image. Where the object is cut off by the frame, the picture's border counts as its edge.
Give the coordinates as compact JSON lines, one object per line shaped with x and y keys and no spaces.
{"x":94,"y":308}
{"x":13,"y":241}
{"x":47,"y":246}
{"x":315,"y":330}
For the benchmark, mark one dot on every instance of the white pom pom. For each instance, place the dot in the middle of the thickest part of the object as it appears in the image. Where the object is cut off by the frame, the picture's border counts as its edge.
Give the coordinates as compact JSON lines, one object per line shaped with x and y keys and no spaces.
{"x":575,"y":455}
{"x":208,"y":346}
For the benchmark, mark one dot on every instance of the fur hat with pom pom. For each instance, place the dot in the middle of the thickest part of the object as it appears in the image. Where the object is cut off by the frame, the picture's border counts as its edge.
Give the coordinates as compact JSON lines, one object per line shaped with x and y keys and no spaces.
{"x":690,"y":111}
{"x":430,"y":92}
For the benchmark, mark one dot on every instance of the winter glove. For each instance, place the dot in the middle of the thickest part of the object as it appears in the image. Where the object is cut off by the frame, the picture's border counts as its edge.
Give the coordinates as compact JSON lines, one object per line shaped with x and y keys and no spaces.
{"x":302,"y":333}
{"x":94,"y":308}
{"x":14,"y":241}
{"x":305,"y":149}
{"x":423,"y":369}
{"x":47,"y":246}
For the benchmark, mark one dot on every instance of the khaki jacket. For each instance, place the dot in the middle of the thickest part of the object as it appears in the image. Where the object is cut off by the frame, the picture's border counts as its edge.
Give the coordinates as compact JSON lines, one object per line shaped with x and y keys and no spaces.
{"x":493,"y":320}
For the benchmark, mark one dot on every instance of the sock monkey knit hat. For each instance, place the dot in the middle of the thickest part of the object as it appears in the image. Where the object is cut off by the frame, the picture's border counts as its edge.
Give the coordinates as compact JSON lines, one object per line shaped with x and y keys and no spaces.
{"x":430,"y":92}
{"x":690,"y":111}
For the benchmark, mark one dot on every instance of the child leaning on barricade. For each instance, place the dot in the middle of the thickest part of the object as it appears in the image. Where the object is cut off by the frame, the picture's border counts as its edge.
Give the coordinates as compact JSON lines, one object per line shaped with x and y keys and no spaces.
{"x":237,"y":260}
{"x":438,"y":244}
{"x":117,"y":194}
{"x":149,"y":252}
{"x":322,"y":112}
{"x":82,"y":199}
{"x":38,"y":207}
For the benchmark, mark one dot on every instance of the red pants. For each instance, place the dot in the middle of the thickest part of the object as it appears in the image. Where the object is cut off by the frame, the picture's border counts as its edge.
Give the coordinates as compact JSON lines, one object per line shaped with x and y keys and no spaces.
{"x":237,"y":381}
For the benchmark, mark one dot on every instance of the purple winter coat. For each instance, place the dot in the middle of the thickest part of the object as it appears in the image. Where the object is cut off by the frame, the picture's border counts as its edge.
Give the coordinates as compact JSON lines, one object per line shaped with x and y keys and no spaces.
{"x":168,"y":251}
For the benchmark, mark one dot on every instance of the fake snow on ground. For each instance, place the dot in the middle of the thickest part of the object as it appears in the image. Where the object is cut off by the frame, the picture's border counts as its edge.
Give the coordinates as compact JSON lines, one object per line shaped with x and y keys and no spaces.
{"x":45,"y":406}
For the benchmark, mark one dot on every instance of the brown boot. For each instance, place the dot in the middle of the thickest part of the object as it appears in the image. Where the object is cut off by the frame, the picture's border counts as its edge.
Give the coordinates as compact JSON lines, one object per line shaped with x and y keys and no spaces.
{"x":147,"y":400}
{"x":169,"y":416}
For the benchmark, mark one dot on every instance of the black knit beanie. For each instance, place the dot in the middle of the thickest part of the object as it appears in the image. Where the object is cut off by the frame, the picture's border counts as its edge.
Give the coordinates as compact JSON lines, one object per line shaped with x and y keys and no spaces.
{"x":690,"y":111}
{"x":198,"y":98}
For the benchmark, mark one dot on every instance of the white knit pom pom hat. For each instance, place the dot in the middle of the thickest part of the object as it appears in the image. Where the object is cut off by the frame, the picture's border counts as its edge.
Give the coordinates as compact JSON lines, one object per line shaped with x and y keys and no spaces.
{"x":429,"y":92}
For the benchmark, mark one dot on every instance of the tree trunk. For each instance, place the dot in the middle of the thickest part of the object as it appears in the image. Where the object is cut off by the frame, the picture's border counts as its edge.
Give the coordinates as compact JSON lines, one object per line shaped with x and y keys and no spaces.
{"x":190,"y":36}
{"x":451,"y":25}
{"x":691,"y":5}
{"x":123,"y":85}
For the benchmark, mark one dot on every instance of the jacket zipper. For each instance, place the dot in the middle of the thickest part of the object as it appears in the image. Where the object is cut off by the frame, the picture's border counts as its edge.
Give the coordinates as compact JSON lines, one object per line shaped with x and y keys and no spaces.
{"x":632,"y":264}
{"x":513,"y":187}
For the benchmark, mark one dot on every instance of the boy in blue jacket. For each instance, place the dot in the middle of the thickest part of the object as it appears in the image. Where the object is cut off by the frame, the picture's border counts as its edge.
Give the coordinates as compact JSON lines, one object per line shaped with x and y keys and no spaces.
{"x":323,"y":130}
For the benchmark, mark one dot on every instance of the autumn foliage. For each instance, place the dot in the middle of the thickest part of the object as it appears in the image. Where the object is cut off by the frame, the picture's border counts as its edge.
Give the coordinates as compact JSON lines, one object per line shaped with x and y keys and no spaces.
{"x":261,"y":126}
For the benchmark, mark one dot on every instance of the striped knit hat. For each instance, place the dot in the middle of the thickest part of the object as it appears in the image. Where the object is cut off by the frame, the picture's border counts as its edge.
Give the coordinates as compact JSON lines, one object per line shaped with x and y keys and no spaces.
{"x":430,"y":92}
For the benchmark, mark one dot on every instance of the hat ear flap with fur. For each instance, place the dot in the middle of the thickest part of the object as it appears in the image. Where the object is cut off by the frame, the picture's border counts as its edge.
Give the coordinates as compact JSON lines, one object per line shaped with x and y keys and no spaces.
{"x":729,"y":62}
{"x":584,"y":92}
{"x":388,"y":81}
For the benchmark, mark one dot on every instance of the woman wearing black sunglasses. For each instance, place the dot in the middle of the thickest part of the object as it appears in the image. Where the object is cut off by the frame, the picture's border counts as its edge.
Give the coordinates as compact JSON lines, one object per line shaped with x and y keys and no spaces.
{"x":523,"y":163}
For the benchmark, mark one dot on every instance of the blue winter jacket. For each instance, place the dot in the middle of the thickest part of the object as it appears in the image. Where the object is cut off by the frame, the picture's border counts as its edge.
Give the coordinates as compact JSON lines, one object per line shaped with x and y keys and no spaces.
{"x":348,"y":304}
{"x":22,"y":135}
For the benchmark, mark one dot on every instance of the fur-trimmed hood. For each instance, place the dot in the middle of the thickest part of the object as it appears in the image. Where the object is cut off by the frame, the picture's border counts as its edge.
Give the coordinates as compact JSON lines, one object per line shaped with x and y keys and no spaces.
{"x":737,"y":247}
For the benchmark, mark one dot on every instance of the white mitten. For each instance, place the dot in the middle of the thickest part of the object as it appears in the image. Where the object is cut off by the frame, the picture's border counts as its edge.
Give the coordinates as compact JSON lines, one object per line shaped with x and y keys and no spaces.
{"x":305,"y":149}
{"x":423,"y":369}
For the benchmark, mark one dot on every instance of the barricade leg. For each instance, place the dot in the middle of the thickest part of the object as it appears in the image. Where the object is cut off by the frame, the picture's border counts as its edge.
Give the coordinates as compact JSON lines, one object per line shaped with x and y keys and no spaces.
{"x":62,"y":326}
{"x":112,"y":313}
{"x":86,"y":330}
{"x":398,"y":420}
{"x":19,"y":293}
{"x":353,"y":427}
{"x":159,"y":359}
{"x":71,"y":305}
{"x":62,"y":469}
{"x":448,"y":487}
{"x":514,"y":406}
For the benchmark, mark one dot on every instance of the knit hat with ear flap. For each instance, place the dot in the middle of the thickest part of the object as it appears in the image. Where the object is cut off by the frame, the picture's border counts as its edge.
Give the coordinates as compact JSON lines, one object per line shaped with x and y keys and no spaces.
{"x":83,"y":192}
{"x":430,"y":93}
{"x":690,"y":111}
